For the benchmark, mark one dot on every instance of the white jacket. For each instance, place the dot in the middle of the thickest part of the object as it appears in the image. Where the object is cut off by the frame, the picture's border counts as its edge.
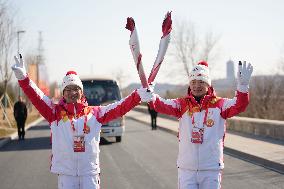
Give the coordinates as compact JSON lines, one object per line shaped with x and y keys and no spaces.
{"x":209,"y":154}
{"x":60,"y":116}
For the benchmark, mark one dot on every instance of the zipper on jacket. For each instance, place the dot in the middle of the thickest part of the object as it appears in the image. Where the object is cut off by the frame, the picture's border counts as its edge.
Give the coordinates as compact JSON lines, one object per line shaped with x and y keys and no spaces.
{"x":77,"y":155}
{"x":198,"y":147}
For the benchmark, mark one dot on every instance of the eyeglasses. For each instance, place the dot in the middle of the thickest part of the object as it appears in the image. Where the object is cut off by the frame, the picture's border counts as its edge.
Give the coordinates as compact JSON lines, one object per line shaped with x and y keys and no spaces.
{"x":69,"y":89}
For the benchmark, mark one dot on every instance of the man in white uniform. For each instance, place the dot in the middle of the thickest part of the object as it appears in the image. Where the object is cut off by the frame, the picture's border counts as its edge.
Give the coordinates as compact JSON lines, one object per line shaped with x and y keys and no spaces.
{"x":75,"y":127}
{"x":202,"y":116}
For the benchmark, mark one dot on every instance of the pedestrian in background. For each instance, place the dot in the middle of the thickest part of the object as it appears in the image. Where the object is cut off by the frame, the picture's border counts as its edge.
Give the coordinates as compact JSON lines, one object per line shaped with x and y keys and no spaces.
{"x":75,"y":127}
{"x":20,"y":114}
{"x":154,"y":115}
{"x":202,"y":125}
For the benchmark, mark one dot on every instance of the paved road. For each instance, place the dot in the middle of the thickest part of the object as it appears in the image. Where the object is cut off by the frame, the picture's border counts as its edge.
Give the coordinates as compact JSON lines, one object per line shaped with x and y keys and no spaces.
{"x":144,"y":159}
{"x":25,"y":164}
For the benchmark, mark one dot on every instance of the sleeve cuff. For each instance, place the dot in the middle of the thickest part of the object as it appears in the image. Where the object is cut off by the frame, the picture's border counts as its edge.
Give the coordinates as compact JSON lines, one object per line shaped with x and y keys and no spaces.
{"x":243,"y":88}
{"x":22,"y":77}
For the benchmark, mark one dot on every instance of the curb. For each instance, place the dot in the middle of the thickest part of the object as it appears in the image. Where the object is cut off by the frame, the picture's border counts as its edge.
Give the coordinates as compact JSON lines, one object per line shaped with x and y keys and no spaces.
{"x":13,"y":136}
{"x":274,"y":166}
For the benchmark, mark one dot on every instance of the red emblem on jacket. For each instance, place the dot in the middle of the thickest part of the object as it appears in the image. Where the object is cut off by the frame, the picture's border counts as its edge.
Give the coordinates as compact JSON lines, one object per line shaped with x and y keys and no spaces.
{"x":209,"y":122}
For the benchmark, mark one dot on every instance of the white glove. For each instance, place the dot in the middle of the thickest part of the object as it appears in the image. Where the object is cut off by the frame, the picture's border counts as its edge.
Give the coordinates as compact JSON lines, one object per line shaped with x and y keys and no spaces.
{"x":19,"y":68}
{"x":145,"y":95}
{"x":243,"y":76}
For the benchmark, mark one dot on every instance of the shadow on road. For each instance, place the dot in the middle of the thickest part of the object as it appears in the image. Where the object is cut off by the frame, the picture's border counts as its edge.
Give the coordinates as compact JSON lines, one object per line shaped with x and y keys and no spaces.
{"x":38,"y":143}
{"x":104,"y":141}
{"x":40,"y":127}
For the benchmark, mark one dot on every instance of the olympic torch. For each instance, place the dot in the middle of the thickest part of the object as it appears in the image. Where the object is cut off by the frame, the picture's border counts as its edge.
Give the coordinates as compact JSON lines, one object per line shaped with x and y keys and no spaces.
{"x":135,"y":50}
{"x":164,"y":43}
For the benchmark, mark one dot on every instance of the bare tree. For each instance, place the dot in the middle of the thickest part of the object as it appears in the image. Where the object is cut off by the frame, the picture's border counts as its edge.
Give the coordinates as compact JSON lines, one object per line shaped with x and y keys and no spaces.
{"x":188,"y":48}
{"x":210,"y":42}
{"x":7,"y":39}
{"x":266,"y":98}
{"x":7,"y":36}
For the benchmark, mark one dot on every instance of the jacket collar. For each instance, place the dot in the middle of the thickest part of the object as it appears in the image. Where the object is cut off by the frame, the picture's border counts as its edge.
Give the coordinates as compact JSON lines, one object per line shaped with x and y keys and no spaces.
{"x":72,"y":107}
{"x":204,"y":101}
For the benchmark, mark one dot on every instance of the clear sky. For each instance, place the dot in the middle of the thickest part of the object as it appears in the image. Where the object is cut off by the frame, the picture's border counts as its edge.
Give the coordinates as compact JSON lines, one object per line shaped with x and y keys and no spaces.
{"x":89,"y":36}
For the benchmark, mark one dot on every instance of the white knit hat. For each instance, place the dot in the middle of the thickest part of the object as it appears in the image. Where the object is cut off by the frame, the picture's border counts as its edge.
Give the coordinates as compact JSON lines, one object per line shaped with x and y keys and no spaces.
{"x":71,"y":78}
{"x":200,"y":72}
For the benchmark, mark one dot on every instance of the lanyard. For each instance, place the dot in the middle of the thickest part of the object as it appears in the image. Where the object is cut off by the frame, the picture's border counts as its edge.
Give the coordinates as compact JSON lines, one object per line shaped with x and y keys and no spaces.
{"x":85,"y":124}
{"x":85,"y":129}
{"x":204,"y":120}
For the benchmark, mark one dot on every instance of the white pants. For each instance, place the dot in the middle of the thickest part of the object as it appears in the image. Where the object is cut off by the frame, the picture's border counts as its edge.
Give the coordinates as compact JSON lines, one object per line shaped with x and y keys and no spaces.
{"x":78,"y":182}
{"x":188,"y":179}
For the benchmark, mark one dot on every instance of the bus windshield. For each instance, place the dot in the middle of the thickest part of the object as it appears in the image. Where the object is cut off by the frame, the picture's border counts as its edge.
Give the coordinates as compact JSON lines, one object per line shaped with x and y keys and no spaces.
{"x":101,"y":92}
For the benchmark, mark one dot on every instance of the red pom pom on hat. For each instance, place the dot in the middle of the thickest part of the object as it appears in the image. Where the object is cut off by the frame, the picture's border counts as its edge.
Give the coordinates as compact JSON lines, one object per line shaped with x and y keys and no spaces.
{"x":71,"y":72}
{"x":203,"y":63}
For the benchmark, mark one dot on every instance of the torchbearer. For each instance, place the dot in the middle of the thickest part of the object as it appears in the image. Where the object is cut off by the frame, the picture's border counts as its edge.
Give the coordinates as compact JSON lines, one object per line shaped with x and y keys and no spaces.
{"x":202,"y":119}
{"x":75,"y":127}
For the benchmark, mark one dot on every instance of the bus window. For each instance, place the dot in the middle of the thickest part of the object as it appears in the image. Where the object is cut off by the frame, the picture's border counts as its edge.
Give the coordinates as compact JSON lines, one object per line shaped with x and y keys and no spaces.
{"x":101,"y":92}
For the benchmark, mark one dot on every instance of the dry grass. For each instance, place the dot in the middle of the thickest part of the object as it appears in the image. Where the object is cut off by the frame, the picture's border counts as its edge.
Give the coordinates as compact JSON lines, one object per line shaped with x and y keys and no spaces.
{"x":6,"y":130}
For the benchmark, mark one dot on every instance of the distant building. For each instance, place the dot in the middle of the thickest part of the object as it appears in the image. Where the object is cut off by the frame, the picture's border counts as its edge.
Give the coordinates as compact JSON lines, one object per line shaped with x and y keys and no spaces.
{"x":230,"y":70}
{"x":229,"y":83}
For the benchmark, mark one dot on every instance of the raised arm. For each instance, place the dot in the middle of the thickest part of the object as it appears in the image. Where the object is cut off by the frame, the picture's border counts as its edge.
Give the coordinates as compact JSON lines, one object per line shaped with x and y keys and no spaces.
{"x":42,"y":102}
{"x":167,"y":106}
{"x":238,"y":104}
{"x":120,"y":108}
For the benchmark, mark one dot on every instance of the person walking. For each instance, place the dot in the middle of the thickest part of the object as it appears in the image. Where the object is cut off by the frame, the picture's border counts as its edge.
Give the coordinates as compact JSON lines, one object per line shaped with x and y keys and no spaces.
{"x":154,"y":115}
{"x":20,"y":115}
{"x":202,"y":124}
{"x":75,"y":127}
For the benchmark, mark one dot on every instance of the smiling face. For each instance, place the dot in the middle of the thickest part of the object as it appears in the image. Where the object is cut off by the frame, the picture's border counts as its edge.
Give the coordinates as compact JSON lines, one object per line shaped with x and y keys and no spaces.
{"x":72,"y":94}
{"x":198,"y":88}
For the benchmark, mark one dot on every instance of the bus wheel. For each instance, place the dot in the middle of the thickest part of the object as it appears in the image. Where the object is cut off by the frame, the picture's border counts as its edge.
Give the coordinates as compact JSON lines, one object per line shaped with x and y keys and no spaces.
{"x":118,"y":138}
